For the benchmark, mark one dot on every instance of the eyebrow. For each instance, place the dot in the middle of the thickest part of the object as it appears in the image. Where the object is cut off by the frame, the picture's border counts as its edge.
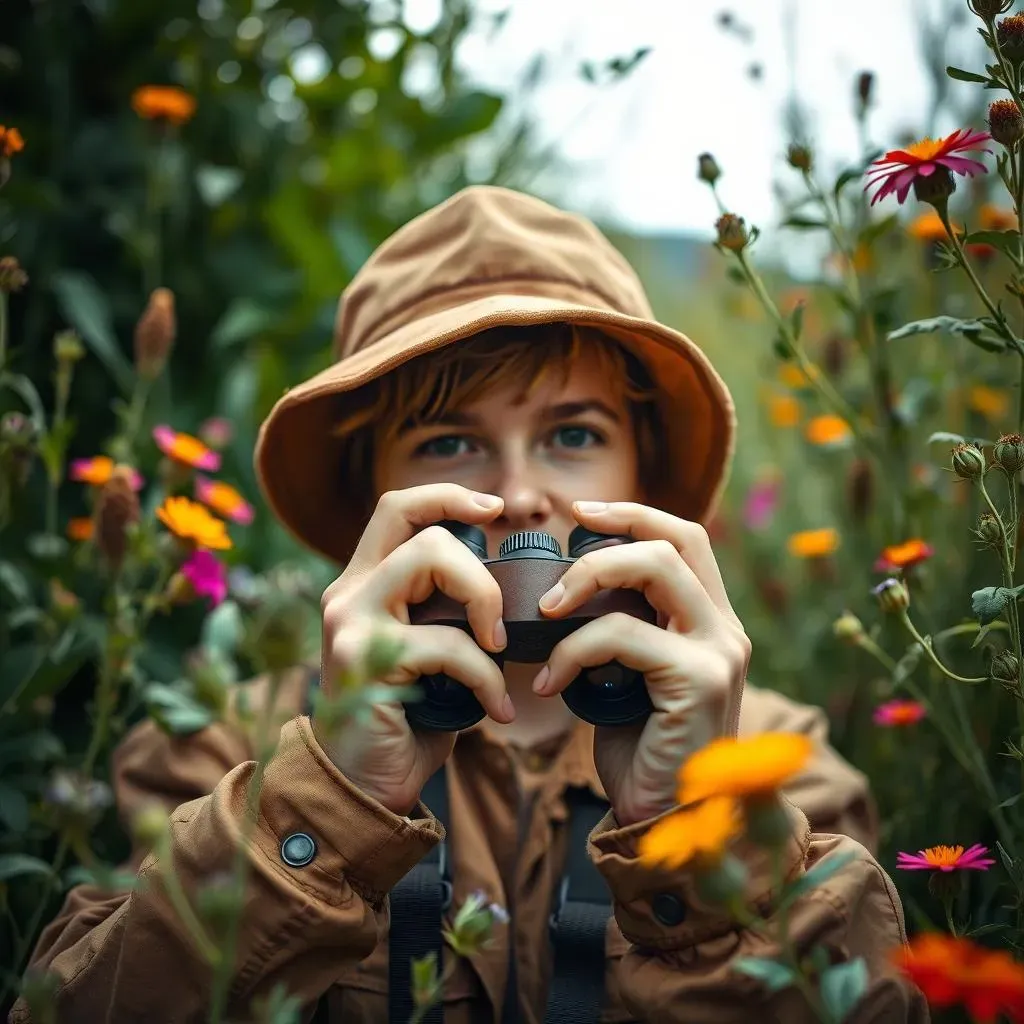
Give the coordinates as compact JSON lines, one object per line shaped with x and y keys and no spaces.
{"x":562,"y":411}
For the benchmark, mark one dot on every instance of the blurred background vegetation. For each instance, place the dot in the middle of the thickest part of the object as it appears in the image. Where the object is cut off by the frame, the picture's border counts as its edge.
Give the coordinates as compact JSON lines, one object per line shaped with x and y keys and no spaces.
{"x":321,"y":126}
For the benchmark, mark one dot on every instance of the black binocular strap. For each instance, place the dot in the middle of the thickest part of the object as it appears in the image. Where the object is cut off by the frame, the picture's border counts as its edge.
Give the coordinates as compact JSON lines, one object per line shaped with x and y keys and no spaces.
{"x":577,"y":923}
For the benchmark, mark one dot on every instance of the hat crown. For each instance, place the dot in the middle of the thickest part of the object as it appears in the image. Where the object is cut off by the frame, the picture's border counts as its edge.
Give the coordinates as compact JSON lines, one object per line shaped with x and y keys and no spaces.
{"x":485,"y":240}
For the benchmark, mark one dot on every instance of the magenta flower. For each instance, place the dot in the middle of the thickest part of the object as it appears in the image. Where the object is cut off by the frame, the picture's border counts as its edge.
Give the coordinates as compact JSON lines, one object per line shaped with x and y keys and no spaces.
{"x":946,"y":859}
{"x":899,"y":169}
{"x":208,"y":576}
{"x":217,"y":431}
{"x":899,"y":712}
{"x":762,"y":500}
{"x":186,"y":449}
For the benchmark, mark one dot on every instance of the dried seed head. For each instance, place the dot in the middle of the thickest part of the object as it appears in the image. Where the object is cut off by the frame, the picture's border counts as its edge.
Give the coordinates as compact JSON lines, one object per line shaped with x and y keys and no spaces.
{"x":865,"y":87}
{"x":708,"y":169}
{"x":1005,"y":122}
{"x":1009,"y":452}
{"x":732,"y":232}
{"x":834,"y":353}
{"x":117,"y":509}
{"x":989,"y":9}
{"x":989,"y":531}
{"x":1010,"y":36}
{"x":154,"y":334}
{"x":1005,"y":667}
{"x":799,"y":157}
{"x":936,"y":188}
{"x":968,"y":461}
{"x":860,"y":489}
{"x":12,"y":277}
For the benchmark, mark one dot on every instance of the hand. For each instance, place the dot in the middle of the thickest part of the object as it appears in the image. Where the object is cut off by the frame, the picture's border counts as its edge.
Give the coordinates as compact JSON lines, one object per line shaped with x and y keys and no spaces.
{"x":694,"y":660}
{"x":398,"y":563}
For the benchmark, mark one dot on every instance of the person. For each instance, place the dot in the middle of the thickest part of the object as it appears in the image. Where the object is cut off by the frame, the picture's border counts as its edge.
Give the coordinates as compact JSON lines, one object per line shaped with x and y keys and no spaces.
{"x":498,"y":365}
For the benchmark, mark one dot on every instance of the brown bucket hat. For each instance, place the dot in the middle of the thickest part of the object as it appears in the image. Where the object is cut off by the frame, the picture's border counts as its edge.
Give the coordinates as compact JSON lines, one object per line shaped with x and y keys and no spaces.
{"x":487,"y":257}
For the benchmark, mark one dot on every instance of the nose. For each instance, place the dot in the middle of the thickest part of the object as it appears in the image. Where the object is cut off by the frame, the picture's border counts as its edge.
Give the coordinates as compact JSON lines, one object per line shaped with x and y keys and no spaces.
{"x":527,"y":499}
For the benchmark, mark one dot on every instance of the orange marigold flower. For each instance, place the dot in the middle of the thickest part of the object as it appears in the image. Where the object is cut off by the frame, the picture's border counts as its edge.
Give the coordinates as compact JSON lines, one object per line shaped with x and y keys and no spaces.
{"x":783,"y":411}
{"x":186,"y":449}
{"x":902,"y":556}
{"x":928,"y":227}
{"x":11,"y":141}
{"x":190,"y":521}
{"x":163,"y":102}
{"x":992,"y":403}
{"x":742,"y":768}
{"x":813,"y":543}
{"x":224,"y":499}
{"x":828,"y":429}
{"x":794,"y":377}
{"x":996,"y":218}
{"x":698,"y":834}
{"x":951,"y":970}
{"x":81,"y":528}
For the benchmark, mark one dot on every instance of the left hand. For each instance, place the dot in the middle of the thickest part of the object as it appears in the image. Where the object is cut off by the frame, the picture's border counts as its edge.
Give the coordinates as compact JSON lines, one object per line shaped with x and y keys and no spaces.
{"x":694,"y":660}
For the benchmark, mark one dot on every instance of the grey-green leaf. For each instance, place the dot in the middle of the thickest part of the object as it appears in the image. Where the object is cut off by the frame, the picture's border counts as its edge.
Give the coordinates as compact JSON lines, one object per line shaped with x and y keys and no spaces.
{"x":966,"y":76}
{"x":771,"y":973}
{"x":821,"y":872}
{"x":86,"y":308}
{"x":842,"y":986}
{"x":15,"y":865}
{"x":989,"y":602}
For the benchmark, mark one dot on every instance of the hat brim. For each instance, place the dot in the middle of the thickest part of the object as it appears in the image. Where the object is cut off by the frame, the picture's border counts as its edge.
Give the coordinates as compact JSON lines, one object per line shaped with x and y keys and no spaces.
{"x":298,"y":459}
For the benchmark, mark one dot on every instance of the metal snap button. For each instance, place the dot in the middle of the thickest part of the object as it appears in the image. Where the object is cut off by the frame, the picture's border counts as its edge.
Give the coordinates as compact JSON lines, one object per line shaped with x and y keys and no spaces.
{"x":298,"y":850}
{"x":669,"y":909}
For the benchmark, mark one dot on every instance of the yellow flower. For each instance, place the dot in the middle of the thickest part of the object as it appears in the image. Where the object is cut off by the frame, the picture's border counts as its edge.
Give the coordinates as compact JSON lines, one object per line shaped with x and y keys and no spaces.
{"x":743,"y":768}
{"x":992,"y":403}
{"x":163,"y":102}
{"x":698,"y":833}
{"x":783,"y":411}
{"x":813,"y":543}
{"x":827,"y":429}
{"x":192,"y":522}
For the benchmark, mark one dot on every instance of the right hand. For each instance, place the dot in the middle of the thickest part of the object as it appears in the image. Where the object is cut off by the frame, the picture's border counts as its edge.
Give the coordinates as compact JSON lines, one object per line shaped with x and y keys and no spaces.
{"x":398,"y":562}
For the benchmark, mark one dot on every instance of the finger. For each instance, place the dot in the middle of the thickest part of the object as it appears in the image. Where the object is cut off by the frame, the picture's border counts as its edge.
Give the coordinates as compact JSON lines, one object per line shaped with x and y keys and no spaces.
{"x":435,"y":560}
{"x":400,"y":514}
{"x":641,"y":522}
{"x":429,"y":650}
{"x":653,"y":567}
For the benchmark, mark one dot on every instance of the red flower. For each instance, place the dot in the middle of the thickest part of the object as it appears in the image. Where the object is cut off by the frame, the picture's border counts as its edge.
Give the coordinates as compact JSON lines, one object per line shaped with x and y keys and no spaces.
{"x":903,"y":556}
{"x":899,"y":169}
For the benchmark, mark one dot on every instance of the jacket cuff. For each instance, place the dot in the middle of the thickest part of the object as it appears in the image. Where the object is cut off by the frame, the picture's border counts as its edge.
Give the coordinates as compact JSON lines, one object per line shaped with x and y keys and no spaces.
{"x":356,"y":837}
{"x":659,"y":908}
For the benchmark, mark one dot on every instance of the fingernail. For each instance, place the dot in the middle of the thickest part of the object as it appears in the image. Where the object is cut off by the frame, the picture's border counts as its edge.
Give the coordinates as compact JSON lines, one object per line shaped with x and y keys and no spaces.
{"x":591,"y":507}
{"x":500,"y":636}
{"x":487,"y":501}
{"x":552,"y":597}
{"x":508,"y":711}
{"x":542,"y":679}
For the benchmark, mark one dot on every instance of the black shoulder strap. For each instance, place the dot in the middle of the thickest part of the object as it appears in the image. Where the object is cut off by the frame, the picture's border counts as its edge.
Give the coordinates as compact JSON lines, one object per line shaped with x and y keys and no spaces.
{"x":417,"y":904}
{"x":578,"y":922}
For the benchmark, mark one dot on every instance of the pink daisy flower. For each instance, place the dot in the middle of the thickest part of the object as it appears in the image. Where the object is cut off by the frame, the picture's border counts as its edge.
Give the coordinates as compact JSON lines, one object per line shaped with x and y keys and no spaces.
{"x":899,"y":169}
{"x":946,"y":859}
{"x":186,"y":449}
{"x":208,"y":576}
{"x":899,"y":712}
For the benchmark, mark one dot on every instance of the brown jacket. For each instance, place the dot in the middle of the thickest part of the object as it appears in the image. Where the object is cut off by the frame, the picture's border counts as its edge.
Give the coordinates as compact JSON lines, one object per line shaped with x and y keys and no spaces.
{"x":323,"y":928}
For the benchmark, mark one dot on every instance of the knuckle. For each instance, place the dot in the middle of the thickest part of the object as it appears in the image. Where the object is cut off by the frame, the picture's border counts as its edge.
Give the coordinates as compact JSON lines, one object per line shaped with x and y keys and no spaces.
{"x":389,"y":502}
{"x":695,"y":535}
{"x":661,"y":551}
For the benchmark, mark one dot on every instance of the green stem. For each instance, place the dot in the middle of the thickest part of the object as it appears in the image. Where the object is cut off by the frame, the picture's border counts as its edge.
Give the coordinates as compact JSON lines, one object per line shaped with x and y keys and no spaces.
{"x":446,"y":975}
{"x":56,"y":474}
{"x":866,"y":643}
{"x":926,"y":646}
{"x":180,"y":901}
{"x":3,"y":329}
{"x":947,"y":906}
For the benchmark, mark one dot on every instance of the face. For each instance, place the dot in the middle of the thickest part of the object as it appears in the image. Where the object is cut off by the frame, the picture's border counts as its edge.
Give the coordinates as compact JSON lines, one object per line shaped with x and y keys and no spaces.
{"x":565,"y":442}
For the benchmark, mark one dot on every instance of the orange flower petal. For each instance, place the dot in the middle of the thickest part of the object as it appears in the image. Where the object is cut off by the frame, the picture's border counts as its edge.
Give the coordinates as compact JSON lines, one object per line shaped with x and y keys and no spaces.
{"x":813,"y":543}
{"x":743,"y":768}
{"x":698,"y":833}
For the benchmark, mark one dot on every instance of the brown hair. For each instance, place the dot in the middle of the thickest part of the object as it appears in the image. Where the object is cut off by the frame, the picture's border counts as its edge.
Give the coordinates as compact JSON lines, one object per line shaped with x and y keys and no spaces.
{"x":423,"y":389}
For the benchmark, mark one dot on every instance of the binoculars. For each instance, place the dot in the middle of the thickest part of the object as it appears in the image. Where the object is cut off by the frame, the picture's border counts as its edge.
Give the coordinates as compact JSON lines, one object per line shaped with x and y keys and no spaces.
{"x":528,"y":565}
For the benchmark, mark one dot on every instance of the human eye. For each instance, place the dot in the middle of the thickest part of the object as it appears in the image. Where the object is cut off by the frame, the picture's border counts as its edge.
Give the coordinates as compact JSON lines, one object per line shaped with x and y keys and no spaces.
{"x":576,"y":435}
{"x":447,"y":446}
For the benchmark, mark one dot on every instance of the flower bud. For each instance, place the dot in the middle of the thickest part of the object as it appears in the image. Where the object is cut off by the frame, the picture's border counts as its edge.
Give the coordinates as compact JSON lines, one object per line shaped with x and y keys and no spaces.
{"x":154,"y":334}
{"x":1009,"y":453}
{"x":893,"y":596}
{"x":1010,"y":36}
{"x":722,"y":882}
{"x":799,"y":157}
{"x":989,"y":531}
{"x":989,"y":9}
{"x":968,"y":461}
{"x":732,"y":232}
{"x":936,"y":188}
{"x":68,"y":347}
{"x":150,"y":824}
{"x":708,"y":169}
{"x":767,"y":822}
{"x":1005,"y":667}
{"x":848,"y":628}
{"x":12,"y":277}
{"x":1005,"y":122}
{"x":117,"y":509}
{"x":76,"y":801}
{"x":865,"y":86}
{"x":946,"y":886}
{"x":474,"y":924}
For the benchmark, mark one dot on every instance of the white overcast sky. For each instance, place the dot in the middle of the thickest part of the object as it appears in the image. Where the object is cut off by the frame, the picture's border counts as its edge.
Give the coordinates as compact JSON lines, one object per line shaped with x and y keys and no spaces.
{"x":635,"y":145}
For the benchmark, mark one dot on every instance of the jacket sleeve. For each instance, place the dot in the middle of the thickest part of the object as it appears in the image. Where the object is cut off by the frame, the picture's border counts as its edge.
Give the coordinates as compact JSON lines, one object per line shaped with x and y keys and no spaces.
{"x":126,"y":956}
{"x":680,"y":966}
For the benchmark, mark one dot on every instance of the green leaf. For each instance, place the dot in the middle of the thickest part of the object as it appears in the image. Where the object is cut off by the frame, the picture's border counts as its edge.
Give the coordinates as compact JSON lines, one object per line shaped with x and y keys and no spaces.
{"x":966,"y":76}
{"x":175,"y":710}
{"x":804,"y":223}
{"x":217,"y":184}
{"x":1005,"y":241}
{"x":13,"y":808}
{"x":821,"y":872}
{"x":223,"y":629}
{"x":842,"y":986}
{"x":13,"y":581}
{"x":873,"y":231}
{"x":978,"y":332}
{"x":989,"y":602}
{"x":86,"y":308}
{"x":944,"y":437}
{"x":771,"y":973}
{"x":100,"y":876}
{"x":797,"y":320}
{"x":242,"y":320}
{"x":845,"y":178}
{"x":26,"y":391}
{"x":16,"y":865}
